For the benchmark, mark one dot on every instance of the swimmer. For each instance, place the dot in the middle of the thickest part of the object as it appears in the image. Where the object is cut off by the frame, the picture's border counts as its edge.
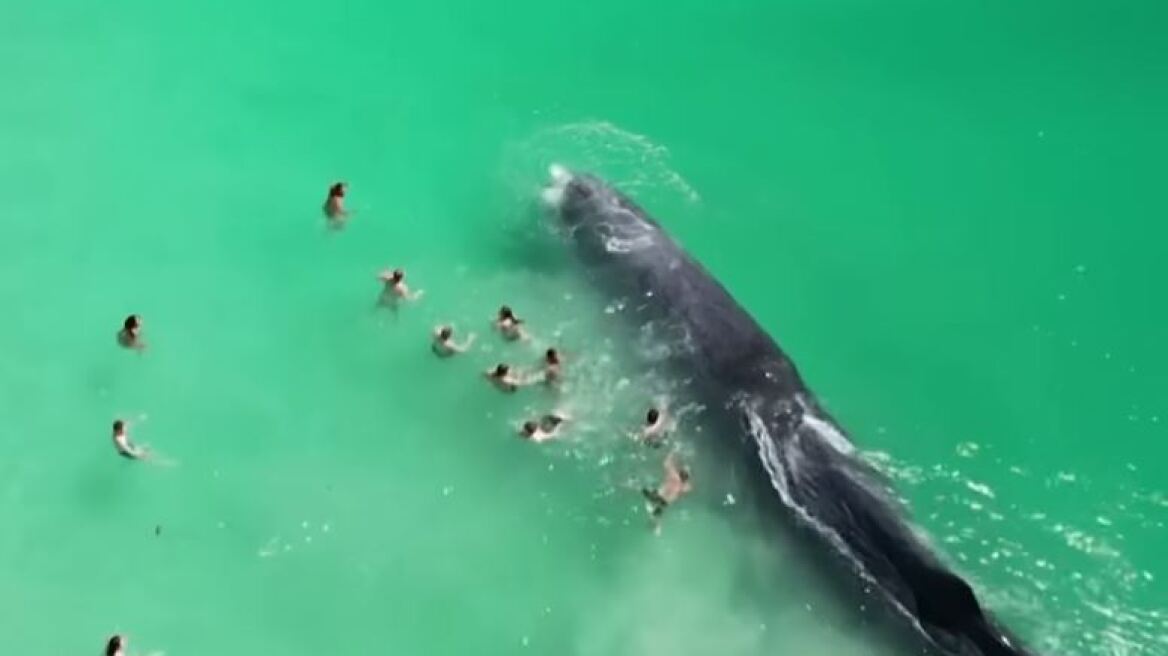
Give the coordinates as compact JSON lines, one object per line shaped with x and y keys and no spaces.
{"x":334,"y":205}
{"x":444,"y":345}
{"x":115,"y":646}
{"x":509,"y":325}
{"x":547,"y":428}
{"x":552,"y":367}
{"x":130,"y":336}
{"x":396,"y":288}
{"x":675,"y":483}
{"x":504,"y":378}
{"x":122,"y":443}
{"x":656,"y":428}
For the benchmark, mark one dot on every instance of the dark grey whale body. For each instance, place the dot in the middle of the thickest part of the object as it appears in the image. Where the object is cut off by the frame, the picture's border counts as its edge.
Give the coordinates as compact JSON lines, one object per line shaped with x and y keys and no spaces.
{"x":790,"y":444}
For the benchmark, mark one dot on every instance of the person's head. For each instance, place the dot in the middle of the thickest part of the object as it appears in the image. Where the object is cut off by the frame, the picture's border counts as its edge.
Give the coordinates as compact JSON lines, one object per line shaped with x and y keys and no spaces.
{"x":398,"y":275}
{"x":683,"y":474}
{"x":337,"y":190}
{"x":529,"y":428}
{"x":501,"y":370}
{"x":652,"y":416}
{"x":552,"y":356}
{"x":119,"y":426}
{"x":132,"y":323}
{"x":505,"y":313}
{"x":445,"y":333}
{"x":114,"y":646}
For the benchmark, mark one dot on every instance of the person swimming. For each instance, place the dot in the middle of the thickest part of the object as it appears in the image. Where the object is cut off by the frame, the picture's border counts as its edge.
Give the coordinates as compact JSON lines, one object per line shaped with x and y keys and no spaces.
{"x":503,"y":377}
{"x":509,"y":325}
{"x":130,"y":336}
{"x":115,"y":646}
{"x":395,"y":288}
{"x":656,"y":428}
{"x":553,"y":368}
{"x":334,"y":205}
{"x":122,"y":443}
{"x":444,"y":344}
{"x":547,"y":428}
{"x":675,"y":483}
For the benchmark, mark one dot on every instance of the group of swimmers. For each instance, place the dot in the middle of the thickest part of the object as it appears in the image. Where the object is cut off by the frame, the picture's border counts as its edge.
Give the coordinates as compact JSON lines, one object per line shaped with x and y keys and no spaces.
{"x":675,"y":481}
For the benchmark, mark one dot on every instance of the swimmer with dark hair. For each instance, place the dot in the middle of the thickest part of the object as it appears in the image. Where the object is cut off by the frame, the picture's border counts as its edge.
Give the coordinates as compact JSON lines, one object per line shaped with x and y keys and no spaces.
{"x":115,"y":646}
{"x":334,"y":204}
{"x":656,"y":428}
{"x":130,"y":336}
{"x":396,"y":288}
{"x":553,"y":368}
{"x":675,"y":483}
{"x":547,"y":428}
{"x":509,"y":325}
{"x":444,"y":345}
{"x":505,"y":378}
{"x":126,"y":448}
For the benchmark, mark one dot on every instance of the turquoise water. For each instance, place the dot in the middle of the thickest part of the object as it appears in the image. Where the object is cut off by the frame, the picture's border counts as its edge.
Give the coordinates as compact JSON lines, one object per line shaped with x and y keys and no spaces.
{"x":949,"y":216}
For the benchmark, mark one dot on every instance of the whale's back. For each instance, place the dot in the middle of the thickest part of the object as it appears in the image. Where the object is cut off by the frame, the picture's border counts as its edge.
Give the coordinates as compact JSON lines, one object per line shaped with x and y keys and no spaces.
{"x":792,"y":443}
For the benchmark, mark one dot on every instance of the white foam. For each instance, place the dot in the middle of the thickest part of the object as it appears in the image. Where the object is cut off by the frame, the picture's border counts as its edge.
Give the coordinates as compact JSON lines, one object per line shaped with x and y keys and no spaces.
{"x":773,"y":461}
{"x":614,"y":244}
{"x":553,"y":194}
{"x":828,"y":432}
{"x":559,"y":174}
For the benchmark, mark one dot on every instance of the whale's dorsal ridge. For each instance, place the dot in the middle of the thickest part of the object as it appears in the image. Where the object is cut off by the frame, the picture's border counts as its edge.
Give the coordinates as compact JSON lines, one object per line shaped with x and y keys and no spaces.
{"x":801,"y":457}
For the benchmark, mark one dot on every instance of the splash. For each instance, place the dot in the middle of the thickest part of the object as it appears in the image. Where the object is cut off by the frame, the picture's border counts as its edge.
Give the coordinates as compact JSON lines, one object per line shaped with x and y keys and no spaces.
{"x":633,"y":161}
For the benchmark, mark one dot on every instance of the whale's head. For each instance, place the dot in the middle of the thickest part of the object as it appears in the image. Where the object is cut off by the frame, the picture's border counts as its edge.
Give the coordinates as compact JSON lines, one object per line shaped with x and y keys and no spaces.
{"x":602,"y":221}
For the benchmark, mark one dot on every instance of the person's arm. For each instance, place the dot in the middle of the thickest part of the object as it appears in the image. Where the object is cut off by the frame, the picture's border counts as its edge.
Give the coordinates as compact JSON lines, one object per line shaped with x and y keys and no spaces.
{"x":403,"y":291}
{"x":465,"y":346}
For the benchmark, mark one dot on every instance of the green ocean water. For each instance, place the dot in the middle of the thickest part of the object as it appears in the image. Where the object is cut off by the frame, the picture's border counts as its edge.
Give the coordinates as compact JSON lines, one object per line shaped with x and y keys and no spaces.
{"x":951,"y":216}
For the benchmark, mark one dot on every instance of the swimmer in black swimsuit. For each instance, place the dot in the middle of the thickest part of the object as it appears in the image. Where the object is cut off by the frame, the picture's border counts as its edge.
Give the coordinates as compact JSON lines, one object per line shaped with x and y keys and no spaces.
{"x":130,"y":336}
{"x":553,"y":367}
{"x":334,"y":205}
{"x":395,"y":288}
{"x":122,"y":443}
{"x":504,"y":378}
{"x":444,"y":345}
{"x":675,"y":483}
{"x":656,"y":428}
{"x":547,"y":428}
{"x":509,"y":325}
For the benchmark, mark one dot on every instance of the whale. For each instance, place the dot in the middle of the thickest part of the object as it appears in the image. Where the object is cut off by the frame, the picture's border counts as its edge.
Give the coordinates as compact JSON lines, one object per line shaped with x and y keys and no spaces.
{"x":771,"y":425}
